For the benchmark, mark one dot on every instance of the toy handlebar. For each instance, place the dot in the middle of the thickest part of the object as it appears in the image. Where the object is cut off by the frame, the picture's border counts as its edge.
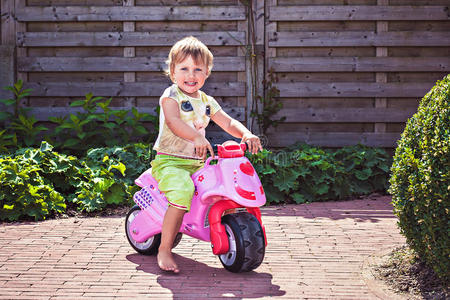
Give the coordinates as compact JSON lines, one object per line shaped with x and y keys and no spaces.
{"x":231,"y":149}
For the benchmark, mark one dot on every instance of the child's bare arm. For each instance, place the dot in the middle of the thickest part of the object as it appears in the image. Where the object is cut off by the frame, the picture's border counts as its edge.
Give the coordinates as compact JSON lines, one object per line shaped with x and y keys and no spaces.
{"x":183,"y":130}
{"x":236,"y":129}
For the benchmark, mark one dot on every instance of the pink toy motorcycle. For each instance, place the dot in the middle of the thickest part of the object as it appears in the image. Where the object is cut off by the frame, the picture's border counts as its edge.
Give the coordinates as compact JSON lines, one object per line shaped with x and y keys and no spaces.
{"x":238,"y":238}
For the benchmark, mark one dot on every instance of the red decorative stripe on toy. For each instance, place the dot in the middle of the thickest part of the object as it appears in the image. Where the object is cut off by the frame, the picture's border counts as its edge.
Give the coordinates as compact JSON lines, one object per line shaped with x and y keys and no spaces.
{"x":245,"y":194}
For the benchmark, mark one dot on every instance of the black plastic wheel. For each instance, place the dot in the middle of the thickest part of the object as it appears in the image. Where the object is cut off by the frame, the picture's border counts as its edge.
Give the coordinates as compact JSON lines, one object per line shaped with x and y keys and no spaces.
{"x":150,"y":246}
{"x":246,"y":239}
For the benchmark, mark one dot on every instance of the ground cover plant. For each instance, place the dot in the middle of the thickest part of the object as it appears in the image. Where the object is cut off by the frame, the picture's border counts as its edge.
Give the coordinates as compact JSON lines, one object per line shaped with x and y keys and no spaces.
{"x":303,"y":173}
{"x":420,"y":180}
{"x":40,"y":183}
{"x":94,"y":125}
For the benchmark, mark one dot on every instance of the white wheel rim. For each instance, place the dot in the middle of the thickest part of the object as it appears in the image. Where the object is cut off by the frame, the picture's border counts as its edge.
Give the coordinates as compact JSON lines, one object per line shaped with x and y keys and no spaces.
{"x":141,"y":246}
{"x":229,"y":257}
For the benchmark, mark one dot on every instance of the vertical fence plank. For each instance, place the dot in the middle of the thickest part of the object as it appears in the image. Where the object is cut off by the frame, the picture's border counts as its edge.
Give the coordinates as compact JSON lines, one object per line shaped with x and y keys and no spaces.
{"x":21,"y":51}
{"x":382,"y":26}
{"x":259,"y":17}
{"x":8,"y":23}
{"x":129,"y":52}
{"x":269,"y":52}
{"x":7,"y":46}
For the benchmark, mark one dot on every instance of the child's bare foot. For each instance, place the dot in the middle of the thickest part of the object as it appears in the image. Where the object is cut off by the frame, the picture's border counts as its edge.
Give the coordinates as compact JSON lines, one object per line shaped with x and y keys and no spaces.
{"x":166,"y":261}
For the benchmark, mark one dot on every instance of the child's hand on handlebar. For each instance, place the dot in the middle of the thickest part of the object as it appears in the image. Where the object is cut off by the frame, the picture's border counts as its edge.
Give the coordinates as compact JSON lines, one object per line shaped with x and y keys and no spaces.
{"x":253,"y":142}
{"x":202,"y":146}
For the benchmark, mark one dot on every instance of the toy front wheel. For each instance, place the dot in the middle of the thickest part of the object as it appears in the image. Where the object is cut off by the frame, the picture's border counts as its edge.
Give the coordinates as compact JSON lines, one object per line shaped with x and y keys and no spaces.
{"x":246,"y":240}
{"x":150,"y":246}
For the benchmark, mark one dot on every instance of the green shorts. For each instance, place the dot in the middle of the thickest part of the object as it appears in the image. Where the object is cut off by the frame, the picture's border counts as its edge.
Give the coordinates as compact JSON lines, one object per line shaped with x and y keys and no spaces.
{"x":174,"y":178}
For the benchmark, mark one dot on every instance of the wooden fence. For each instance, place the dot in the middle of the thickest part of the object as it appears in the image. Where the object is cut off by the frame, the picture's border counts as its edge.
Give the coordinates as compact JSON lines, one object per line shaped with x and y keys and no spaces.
{"x":348,"y":71}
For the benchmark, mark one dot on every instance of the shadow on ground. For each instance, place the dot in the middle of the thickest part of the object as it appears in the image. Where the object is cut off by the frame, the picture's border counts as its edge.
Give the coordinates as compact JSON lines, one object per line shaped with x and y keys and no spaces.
{"x":201,"y":280}
{"x":361,"y":210}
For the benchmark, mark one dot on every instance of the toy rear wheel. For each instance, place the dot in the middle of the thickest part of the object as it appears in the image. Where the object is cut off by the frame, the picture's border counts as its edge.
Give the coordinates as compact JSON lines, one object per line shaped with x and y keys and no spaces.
{"x":150,"y":246}
{"x":247,"y":244}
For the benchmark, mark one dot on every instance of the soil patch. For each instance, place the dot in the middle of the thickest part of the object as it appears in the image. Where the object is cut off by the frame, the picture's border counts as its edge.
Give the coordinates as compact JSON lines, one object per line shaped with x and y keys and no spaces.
{"x":119,"y":211}
{"x":408,"y":276}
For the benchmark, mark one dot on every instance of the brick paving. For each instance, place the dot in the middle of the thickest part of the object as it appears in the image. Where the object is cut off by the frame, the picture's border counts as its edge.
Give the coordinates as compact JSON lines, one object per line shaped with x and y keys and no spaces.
{"x":315,"y":251}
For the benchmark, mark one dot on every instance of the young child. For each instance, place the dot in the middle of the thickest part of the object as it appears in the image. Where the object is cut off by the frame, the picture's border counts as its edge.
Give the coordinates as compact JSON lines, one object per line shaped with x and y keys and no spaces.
{"x":181,"y":144}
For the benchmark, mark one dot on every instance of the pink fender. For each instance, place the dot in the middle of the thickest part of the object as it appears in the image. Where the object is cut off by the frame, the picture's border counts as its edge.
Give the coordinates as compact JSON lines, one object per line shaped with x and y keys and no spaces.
{"x":149,"y":221}
{"x":145,"y":179}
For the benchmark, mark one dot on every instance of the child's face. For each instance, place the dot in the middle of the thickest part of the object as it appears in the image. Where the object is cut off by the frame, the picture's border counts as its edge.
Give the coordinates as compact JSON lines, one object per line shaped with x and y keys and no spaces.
{"x":190,"y":76}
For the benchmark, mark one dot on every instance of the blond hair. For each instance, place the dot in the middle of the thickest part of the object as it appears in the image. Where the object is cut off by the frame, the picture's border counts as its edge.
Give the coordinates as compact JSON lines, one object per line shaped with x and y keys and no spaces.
{"x":185,"y":47}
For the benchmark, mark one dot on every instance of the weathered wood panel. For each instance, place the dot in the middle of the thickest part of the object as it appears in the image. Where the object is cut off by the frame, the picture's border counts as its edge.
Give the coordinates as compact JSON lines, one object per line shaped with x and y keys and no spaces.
{"x":384,"y":54}
{"x":131,"y":13}
{"x":114,"y":64}
{"x":112,"y":89}
{"x":360,"y":64}
{"x":7,"y":70}
{"x":349,"y":70}
{"x":117,"y":39}
{"x":357,"y":13}
{"x":346,"y":115}
{"x":335,"y":139}
{"x":358,"y":39}
{"x":44,"y":113}
{"x":350,"y":89}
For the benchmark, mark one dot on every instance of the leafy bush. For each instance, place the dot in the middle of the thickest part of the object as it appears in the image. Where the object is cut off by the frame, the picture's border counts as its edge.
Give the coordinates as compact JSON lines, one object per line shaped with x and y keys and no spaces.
{"x":40,"y":182}
{"x":136,"y":158}
{"x":90,"y":128}
{"x":304,"y":173}
{"x":420,"y":179}
{"x":95,"y":125}
{"x":17,"y":128}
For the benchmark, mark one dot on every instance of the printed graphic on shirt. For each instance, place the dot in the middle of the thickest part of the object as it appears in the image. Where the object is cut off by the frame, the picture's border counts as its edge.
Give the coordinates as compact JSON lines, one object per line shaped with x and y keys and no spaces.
{"x":195,"y":112}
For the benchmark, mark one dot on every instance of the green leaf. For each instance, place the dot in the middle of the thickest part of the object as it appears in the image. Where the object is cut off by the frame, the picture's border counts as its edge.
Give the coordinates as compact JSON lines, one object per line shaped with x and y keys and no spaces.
{"x":46,"y":147}
{"x":109,"y":125}
{"x":74,"y":118}
{"x":141,"y":129}
{"x":8,"y":101}
{"x":120,"y":167}
{"x":274,"y":195}
{"x":321,"y":189}
{"x":57,"y":120}
{"x":363,"y":174}
{"x":115,"y":195}
{"x":8,"y":207}
{"x":77,"y":103}
{"x":71,"y":143}
{"x":4,"y":115}
{"x":298,"y":198}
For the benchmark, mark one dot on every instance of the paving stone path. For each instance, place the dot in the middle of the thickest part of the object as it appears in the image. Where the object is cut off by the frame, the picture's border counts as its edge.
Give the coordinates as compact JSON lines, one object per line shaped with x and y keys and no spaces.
{"x":315,"y":251}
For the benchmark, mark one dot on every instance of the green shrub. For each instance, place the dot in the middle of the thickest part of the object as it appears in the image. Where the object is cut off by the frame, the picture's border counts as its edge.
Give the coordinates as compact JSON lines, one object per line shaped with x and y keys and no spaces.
{"x":303,"y":173}
{"x":93,"y":129}
{"x":136,"y":158}
{"x":40,"y":182}
{"x":95,"y":125}
{"x":420,"y":179}
{"x":17,"y":128}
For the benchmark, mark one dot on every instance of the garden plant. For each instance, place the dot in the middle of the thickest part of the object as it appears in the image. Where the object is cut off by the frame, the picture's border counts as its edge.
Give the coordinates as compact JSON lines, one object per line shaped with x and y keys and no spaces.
{"x":420,"y":180}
